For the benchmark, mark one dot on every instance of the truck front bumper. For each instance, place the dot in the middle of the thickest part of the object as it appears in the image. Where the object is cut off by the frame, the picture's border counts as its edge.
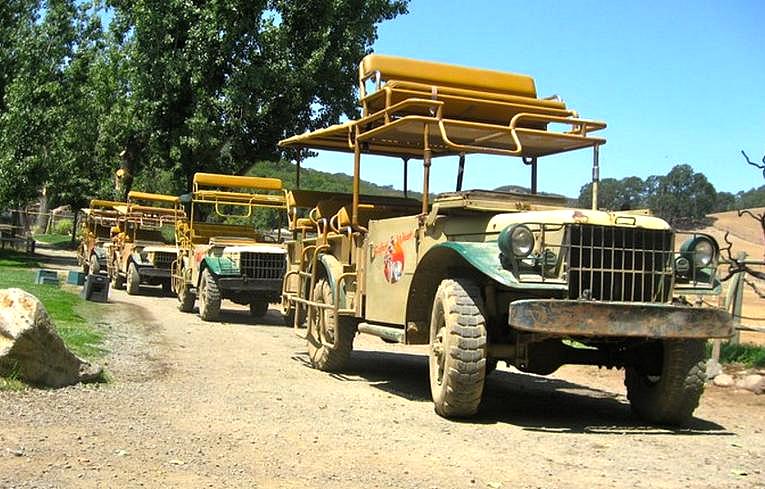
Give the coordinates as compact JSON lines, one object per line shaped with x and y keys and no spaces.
{"x":618,"y":319}
{"x":249,"y":284}
{"x":153,"y":273}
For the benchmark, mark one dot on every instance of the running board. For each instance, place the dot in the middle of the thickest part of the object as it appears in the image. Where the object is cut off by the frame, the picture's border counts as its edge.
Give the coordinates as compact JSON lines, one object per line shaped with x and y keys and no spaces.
{"x":395,"y":335}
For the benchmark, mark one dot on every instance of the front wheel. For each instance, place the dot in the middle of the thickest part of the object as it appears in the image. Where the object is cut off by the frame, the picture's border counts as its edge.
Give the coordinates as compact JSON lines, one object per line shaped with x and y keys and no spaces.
{"x":671,"y":393}
{"x":185,"y":298}
{"x":117,"y":281}
{"x":133,"y":280}
{"x":330,"y":337}
{"x":209,"y":297}
{"x":457,"y":359}
{"x":94,"y":267}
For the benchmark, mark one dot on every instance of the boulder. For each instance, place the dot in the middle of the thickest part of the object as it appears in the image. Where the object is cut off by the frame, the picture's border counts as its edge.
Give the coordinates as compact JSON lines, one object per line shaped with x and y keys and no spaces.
{"x":723,"y":380}
{"x":754,"y":383}
{"x":30,"y":347}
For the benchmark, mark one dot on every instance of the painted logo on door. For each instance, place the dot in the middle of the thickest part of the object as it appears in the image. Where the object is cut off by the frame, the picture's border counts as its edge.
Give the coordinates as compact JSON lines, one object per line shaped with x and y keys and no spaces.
{"x":393,"y":256}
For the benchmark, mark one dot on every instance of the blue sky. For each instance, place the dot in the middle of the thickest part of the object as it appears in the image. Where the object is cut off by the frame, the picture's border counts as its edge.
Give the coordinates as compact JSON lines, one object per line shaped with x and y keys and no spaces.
{"x":677,"y":82}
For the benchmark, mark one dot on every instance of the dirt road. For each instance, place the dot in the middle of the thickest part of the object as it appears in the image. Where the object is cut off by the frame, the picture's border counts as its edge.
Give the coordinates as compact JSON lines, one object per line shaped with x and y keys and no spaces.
{"x":196,"y":404}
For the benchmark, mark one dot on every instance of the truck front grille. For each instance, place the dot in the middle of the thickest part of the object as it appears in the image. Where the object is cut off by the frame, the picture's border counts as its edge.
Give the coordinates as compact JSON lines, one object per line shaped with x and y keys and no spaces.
{"x":619,"y":264}
{"x":263,"y":266}
{"x":163,"y":259}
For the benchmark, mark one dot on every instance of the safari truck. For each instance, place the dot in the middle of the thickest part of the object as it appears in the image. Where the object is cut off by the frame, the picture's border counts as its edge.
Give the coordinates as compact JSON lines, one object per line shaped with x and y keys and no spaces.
{"x":221,"y":254}
{"x":97,"y":223}
{"x":484,"y":276}
{"x":143,"y":247}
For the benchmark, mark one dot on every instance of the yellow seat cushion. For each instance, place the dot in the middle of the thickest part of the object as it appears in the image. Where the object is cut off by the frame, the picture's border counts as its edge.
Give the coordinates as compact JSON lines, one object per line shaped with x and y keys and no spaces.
{"x":441,"y":74}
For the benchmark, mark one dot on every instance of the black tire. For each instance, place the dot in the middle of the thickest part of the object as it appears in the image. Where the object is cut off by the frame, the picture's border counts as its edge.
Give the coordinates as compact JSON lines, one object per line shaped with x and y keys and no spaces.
{"x":258,"y":308}
{"x":209,"y":297}
{"x":289,"y":316}
{"x":671,"y":397}
{"x":338,"y":331}
{"x":167,"y":288}
{"x":457,"y":359}
{"x":117,"y":281}
{"x":491,"y":365}
{"x":133,"y":280}
{"x":185,"y":299}
{"x":94,"y":266}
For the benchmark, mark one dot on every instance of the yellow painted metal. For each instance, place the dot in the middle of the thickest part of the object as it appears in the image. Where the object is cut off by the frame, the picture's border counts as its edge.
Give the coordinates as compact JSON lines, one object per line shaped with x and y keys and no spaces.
{"x":418,"y":71}
{"x":152,"y":197}
{"x":215,"y":197}
{"x":104,"y":204}
{"x":235,"y":181}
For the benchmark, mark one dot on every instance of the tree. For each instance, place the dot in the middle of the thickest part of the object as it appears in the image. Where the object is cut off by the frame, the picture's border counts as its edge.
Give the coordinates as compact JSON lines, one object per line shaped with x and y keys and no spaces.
{"x":214,"y":86}
{"x":615,"y":195}
{"x":681,"y":194}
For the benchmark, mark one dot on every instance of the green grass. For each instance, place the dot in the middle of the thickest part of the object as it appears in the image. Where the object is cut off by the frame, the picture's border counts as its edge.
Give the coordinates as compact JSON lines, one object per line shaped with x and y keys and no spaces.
{"x":72,"y":316}
{"x":747,"y":355}
{"x":55,"y":240}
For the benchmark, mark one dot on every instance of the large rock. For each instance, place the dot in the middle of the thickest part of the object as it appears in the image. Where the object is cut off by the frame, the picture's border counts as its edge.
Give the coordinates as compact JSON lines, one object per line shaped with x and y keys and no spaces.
{"x":32,"y":349}
{"x":753,"y":382}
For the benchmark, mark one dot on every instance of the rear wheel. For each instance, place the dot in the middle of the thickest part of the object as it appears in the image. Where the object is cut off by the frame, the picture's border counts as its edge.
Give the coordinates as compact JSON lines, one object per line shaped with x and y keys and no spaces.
{"x":167,"y":288}
{"x":258,"y":308}
{"x":117,"y":281}
{"x":328,"y":329}
{"x":185,"y":298}
{"x":457,"y":360}
{"x":671,"y":396}
{"x":209,"y":297}
{"x":133,"y":280}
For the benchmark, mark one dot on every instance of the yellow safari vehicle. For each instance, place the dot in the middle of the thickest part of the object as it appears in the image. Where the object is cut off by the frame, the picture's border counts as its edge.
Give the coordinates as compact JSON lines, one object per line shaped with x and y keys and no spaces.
{"x":221,"y":254}
{"x":97,"y":223}
{"x":482,"y":276}
{"x":143,"y":247}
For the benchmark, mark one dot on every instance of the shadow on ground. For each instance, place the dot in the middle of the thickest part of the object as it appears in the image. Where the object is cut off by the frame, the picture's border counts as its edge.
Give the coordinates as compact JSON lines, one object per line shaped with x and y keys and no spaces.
{"x":532,"y":402}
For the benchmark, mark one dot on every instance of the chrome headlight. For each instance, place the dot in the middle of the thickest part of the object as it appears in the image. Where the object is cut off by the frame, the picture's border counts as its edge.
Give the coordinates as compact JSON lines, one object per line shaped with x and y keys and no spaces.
{"x":516,"y":240}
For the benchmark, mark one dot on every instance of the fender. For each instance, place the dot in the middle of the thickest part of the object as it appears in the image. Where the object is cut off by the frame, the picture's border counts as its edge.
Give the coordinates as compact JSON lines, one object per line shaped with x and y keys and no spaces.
{"x":484,"y":257}
{"x":219,"y":265}
{"x":139,"y":261}
{"x":333,"y":269}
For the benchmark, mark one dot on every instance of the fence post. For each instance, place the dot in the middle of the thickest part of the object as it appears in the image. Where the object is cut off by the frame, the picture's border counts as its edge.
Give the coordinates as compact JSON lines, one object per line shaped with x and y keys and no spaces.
{"x":735,"y":300}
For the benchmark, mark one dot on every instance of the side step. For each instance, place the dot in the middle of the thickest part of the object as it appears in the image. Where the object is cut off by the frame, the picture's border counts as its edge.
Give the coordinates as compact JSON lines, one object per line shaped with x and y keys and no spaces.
{"x":393,"y":335}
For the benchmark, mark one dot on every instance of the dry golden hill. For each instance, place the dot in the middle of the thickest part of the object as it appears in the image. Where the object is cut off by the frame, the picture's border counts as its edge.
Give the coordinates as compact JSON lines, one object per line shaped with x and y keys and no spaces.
{"x":746,"y":235}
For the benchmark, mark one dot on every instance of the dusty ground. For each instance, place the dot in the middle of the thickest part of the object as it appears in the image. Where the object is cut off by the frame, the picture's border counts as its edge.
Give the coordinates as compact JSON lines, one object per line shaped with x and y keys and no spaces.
{"x":195,"y":404}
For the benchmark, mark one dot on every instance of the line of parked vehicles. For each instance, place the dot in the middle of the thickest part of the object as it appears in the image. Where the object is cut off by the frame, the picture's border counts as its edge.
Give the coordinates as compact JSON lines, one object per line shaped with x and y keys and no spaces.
{"x":479,"y":276}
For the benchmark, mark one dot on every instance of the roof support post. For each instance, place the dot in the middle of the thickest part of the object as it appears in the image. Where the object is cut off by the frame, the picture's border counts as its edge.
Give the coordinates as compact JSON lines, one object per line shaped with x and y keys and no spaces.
{"x":297,"y":172}
{"x":356,"y":179}
{"x":460,"y":172}
{"x":406,"y":176}
{"x":595,"y":175}
{"x":426,"y":157}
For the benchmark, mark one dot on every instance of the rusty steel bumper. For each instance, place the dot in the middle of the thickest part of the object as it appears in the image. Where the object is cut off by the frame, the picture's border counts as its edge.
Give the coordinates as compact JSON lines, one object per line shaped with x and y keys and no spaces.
{"x":618,"y":319}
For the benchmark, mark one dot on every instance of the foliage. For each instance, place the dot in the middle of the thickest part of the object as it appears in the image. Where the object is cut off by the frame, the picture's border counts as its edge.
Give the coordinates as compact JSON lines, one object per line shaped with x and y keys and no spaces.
{"x":71,"y":315}
{"x":55,"y":240}
{"x":681,"y":194}
{"x":748,"y":355}
{"x":63,"y":226}
{"x":167,"y":88}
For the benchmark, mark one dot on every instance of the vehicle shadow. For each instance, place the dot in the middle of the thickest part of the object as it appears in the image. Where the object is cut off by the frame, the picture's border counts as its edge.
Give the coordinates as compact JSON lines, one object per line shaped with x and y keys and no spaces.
{"x":532,"y":402}
{"x":242,"y":316}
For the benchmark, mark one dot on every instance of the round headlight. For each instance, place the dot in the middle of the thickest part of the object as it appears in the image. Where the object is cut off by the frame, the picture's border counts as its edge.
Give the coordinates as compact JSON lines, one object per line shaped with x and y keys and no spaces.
{"x":517,"y":241}
{"x":703,"y":252}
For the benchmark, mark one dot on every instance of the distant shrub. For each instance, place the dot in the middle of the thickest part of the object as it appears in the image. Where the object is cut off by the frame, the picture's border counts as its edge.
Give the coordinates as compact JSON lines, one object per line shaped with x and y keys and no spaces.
{"x":63,"y":226}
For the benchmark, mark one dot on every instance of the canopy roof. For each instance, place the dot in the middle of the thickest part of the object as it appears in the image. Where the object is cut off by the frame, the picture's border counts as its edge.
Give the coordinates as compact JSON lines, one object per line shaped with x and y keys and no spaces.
{"x":151,"y":197}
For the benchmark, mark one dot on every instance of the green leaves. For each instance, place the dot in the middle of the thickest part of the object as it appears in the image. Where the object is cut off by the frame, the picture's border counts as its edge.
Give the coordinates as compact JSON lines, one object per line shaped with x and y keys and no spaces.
{"x":165,"y":89}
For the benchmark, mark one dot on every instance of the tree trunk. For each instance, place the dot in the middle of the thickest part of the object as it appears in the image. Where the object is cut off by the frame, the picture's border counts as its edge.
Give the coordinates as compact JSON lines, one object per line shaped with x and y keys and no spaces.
{"x":41,"y":223}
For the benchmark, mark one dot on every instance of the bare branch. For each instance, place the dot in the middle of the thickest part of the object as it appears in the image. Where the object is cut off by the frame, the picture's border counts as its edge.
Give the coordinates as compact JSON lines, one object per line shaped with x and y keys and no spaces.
{"x":757,"y":291}
{"x":761,"y":167}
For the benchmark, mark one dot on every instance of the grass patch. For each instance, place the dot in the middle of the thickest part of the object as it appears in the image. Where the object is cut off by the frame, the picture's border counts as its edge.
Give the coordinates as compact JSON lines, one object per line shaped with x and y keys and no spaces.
{"x":10,"y":258}
{"x":747,"y":355}
{"x":55,"y":240}
{"x":69,"y":312}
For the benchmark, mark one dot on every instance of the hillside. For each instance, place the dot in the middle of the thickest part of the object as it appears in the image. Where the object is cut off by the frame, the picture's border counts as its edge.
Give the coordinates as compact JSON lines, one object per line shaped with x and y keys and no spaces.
{"x":746,"y":235}
{"x":319,"y":180}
